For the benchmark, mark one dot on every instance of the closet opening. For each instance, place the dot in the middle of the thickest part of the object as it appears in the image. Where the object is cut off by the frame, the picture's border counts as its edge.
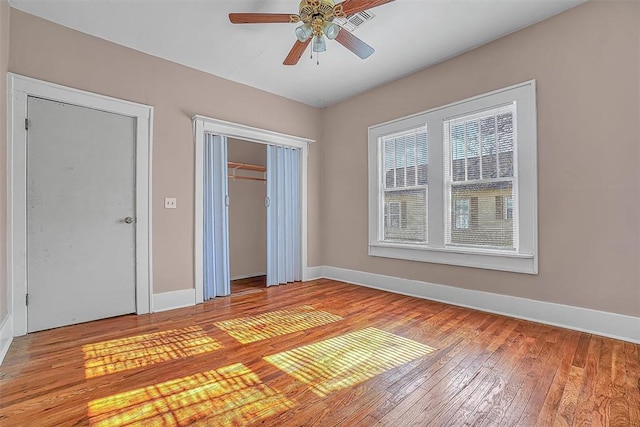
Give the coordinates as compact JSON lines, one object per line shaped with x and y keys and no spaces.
{"x":250,"y":208}
{"x":247,"y":187}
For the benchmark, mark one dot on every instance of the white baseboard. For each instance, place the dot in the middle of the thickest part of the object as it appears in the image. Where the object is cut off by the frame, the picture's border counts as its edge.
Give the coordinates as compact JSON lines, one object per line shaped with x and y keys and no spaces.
{"x":314,"y":273}
{"x":6,"y":336}
{"x":603,"y":323}
{"x":246,"y":276}
{"x":174,"y":299}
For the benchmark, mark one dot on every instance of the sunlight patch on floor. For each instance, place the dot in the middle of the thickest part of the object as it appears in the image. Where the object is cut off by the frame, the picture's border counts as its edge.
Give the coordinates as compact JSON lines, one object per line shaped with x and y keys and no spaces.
{"x":349,"y":359}
{"x":229,"y":396}
{"x":268,"y":325}
{"x":119,"y":355}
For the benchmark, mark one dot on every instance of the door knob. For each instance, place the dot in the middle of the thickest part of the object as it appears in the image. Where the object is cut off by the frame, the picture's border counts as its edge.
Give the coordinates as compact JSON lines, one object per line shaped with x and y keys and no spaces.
{"x":128,"y":220}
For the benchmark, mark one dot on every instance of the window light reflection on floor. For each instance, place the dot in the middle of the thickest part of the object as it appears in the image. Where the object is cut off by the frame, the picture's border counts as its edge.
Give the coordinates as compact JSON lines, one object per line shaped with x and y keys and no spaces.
{"x":349,"y":359}
{"x":268,"y":325}
{"x":142,"y":350}
{"x":228,"y":396}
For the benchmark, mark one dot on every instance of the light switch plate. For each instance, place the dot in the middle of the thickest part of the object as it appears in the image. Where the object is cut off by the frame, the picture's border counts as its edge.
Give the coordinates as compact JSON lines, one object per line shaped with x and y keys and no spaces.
{"x":169,"y":202}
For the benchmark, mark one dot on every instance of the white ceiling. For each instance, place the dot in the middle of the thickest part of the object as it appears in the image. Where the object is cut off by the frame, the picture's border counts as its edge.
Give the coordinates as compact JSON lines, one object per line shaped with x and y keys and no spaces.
{"x":408,"y":35}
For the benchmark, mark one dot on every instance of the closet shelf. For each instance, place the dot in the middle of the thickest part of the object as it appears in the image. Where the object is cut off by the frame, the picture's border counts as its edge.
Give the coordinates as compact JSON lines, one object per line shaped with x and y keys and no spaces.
{"x":252,"y":178}
{"x":247,"y":166}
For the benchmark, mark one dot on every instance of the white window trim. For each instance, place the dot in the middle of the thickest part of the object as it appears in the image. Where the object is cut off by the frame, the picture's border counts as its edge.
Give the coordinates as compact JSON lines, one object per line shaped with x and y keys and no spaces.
{"x":526,"y":259}
{"x":202,"y":125}
{"x":19,"y":88}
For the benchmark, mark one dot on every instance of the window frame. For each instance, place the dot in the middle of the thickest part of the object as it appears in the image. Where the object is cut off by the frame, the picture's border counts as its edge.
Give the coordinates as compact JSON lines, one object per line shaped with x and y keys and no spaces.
{"x":525,"y":259}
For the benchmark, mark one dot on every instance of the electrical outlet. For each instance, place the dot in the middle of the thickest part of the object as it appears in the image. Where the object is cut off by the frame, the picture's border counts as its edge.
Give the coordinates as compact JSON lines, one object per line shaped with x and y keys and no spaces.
{"x":169,"y":202}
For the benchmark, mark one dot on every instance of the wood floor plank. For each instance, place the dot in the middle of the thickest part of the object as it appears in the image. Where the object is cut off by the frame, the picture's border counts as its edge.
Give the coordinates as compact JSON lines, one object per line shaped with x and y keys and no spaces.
{"x":484,"y":369}
{"x":587,"y":403}
{"x":551,"y":401}
{"x":580,"y":356}
{"x":567,"y":407}
{"x":632,"y":367}
{"x":619,"y":401}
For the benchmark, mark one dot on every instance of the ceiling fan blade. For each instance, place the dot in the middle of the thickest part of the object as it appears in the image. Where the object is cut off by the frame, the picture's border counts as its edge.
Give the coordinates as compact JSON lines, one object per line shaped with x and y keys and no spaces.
{"x":296,"y":52}
{"x":350,"y":7}
{"x":262,"y":18}
{"x":354,"y":44}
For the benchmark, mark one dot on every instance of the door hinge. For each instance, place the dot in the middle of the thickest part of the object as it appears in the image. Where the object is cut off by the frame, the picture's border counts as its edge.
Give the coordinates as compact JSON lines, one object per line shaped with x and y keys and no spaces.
{"x":26,"y":124}
{"x":26,"y":299}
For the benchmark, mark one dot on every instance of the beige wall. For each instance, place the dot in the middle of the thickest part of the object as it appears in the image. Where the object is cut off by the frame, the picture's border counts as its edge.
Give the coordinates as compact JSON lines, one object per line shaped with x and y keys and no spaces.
{"x":247,"y":212}
{"x":4,"y":62}
{"x":246,"y":152}
{"x":50,"y":52}
{"x":587,"y":65}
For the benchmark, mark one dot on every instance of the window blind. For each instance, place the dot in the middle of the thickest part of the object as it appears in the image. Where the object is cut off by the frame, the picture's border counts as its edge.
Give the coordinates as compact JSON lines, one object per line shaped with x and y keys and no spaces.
{"x":480,"y":179}
{"x":404,"y":185}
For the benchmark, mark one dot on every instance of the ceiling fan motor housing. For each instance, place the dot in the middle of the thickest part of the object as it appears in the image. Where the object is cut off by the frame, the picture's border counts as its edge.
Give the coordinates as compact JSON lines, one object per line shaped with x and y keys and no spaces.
{"x":311,"y":10}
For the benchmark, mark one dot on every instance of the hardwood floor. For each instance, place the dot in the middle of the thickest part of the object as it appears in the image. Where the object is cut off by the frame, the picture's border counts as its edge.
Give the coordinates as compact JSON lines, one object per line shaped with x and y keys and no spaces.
{"x":319,"y":353}
{"x":250,"y":284}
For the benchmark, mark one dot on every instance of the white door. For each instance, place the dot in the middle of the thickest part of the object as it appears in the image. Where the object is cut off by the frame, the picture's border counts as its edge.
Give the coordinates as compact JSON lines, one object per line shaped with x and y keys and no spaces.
{"x":80,"y":214}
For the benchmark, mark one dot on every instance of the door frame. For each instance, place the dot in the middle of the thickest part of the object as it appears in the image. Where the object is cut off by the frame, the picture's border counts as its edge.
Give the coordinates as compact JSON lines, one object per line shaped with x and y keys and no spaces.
{"x":19,"y":88}
{"x":202,"y":125}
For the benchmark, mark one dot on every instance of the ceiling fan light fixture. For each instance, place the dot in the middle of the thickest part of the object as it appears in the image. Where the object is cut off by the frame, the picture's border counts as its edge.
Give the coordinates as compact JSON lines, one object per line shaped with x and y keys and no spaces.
{"x":303,"y":32}
{"x":331,"y":30}
{"x":319,"y":44}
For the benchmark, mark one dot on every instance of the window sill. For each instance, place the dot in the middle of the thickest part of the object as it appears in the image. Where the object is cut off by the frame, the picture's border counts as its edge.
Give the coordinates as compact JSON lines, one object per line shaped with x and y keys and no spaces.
{"x":465,"y":257}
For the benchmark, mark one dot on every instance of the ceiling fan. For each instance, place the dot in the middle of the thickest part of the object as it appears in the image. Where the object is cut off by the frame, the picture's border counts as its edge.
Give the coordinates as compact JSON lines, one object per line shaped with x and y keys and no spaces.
{"x":317,"y":18}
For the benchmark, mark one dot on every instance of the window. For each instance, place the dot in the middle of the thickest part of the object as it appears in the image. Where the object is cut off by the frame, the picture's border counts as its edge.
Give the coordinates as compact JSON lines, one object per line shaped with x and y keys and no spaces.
{"x":457,"y":184}
{"x":462,"y":214}
{"x":504,"y":207}
{"x":508,"y":207}
{"x":393,"y":215}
